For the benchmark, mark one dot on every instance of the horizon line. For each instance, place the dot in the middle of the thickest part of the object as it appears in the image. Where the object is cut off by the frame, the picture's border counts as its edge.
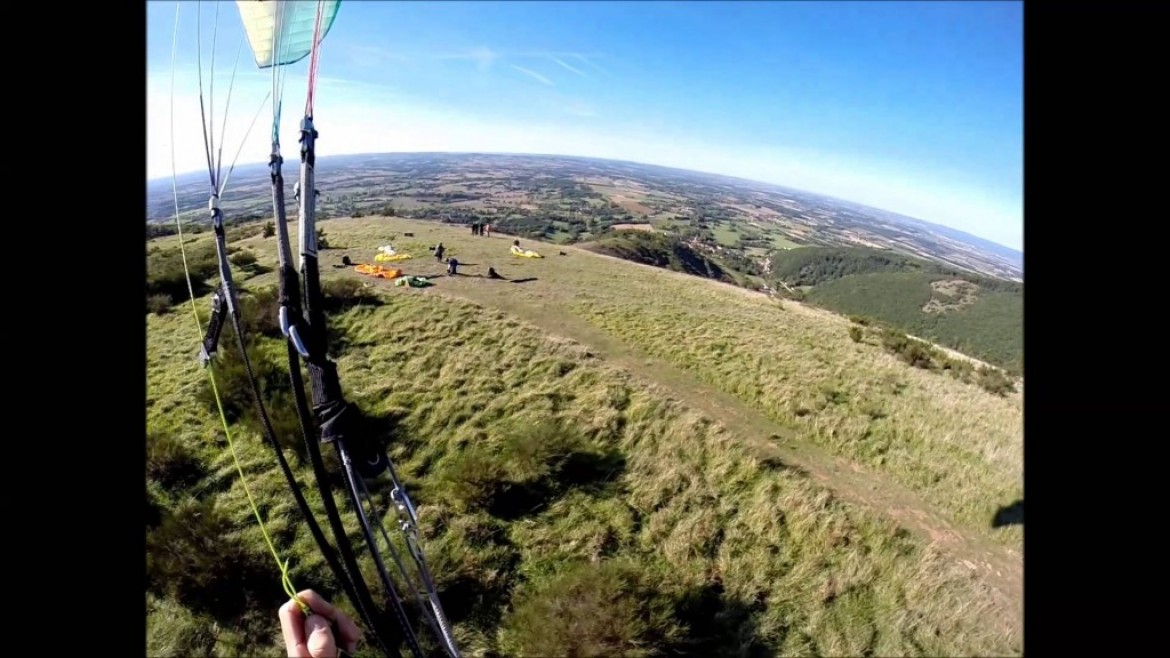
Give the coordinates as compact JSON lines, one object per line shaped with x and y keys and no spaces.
{"x":1019,"y":251}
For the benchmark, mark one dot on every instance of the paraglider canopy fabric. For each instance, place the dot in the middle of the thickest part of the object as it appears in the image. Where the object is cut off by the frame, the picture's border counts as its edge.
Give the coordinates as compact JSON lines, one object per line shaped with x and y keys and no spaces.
{"x":524,"y":253}
{"x":282,"y":32}
{"x":413,"y":282}
{"x":378,"y":271}
{"x":382,"y":257}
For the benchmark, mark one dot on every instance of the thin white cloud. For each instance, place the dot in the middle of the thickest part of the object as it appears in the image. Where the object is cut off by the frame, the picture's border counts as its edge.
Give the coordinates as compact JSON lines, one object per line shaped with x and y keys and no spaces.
{"x":483,"y":57}
{"x":535,"y":76}
{"x":560,"y":61}
{"x":589,"y":61}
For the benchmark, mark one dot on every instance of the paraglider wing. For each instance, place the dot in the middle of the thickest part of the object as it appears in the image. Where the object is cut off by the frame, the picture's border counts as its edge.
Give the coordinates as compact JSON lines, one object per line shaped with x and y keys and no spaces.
{"x":285,"y":26}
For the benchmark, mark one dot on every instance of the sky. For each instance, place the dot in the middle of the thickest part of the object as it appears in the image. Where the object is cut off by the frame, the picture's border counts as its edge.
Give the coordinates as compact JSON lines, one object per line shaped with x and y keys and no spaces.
{"x":912,"y":107}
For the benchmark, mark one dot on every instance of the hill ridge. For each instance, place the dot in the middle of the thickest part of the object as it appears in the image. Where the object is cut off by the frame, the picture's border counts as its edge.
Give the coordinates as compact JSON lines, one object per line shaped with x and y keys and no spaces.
{"x":256,"y":174}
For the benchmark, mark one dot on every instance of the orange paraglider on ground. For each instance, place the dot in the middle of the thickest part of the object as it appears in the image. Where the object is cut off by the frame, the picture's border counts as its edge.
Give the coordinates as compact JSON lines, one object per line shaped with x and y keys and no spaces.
{"x":378,"y":271}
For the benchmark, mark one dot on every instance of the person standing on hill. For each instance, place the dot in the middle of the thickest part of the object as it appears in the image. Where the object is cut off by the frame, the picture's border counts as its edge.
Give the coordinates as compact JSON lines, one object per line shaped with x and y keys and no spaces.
{"x":487,"y":230}
{"x":439,"y":252}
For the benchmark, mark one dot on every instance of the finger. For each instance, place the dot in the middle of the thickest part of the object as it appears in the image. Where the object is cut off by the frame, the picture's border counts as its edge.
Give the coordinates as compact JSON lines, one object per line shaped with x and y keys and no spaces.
{"x":346,"y":628}
{"x":348,"y":631}
{"x":292,"y":627}
{"x":317,"y":603}
{"x":319,"y":637}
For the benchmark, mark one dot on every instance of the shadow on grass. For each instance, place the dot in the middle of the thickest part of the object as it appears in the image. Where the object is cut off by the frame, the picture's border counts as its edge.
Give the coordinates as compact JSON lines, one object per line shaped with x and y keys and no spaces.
{"x":1009,"y":515}
{"x":255,"y":269}
{"x":343,"y":294}
{"x":194,"y":557}
{"x":616,"y":607}
{"x":592,"y":472}
{"x":379,"y":432}
{"x":717,"y":625}
{"x":481,"y":601}
{"x":531,"y":278}
{"x":775,"y":463}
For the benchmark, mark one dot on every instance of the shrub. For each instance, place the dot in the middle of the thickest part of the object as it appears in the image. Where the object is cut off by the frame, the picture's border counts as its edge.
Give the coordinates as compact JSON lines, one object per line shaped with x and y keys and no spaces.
{"x":959,"y":369}
{"x":242,"y":231}
{"x":341,"y":293}
{"x":269,"y":229}
{"x":154,"y":511}
{"x":171,"y":463}
{"x":855,"y":334}
{"x":158,"y":304}
{"x":994,"y":381}
{"x":910,"y":351}
{"x":603,"y":609}
{"x":474,"y":478}
{"x":242,"y":259}
{"x":235,"y":390}
{"x":322,"y":239}
{"x":165,"y":274}
{"x":194,"y":557}
{"x":260,"y":312}
{"x":522,"y":472}
{"x":918,"y":355}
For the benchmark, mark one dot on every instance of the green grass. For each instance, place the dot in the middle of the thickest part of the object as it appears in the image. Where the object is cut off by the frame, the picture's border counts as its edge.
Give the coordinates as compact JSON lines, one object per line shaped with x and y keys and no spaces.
{"x":571,"y":506}
{"x":896,"y":288}
{"x":660,"y":250}
{"x":991,"y":329}
{"x":781,"y":242}
{"x":726,"y":234}
{"x":954,"y":443}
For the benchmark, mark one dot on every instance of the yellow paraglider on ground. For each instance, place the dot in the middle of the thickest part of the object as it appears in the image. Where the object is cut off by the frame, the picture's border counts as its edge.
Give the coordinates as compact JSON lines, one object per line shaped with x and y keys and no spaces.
{"x":391,"y":258}
{"x":386,"y":254}
{"x":524,"y":253}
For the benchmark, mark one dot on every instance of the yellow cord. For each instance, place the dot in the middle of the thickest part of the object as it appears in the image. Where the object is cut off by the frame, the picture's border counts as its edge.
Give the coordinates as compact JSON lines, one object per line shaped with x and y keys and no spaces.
{"x":285,"y":580}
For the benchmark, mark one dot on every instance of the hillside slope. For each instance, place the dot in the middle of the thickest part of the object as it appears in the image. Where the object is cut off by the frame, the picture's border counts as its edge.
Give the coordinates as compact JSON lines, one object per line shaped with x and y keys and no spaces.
{"x":650,"y":517}
{"x":657,"y":250}
{"x":979,"y":316}
{"x":987,"y":325}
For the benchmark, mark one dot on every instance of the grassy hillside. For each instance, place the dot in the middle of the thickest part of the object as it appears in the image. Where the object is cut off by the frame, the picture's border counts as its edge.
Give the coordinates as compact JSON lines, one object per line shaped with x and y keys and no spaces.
{"x":979,"y":316}
{"x":813,"y":266}
{"x":990,"y":328}
{"x":608,"y":458}
{"x":657,"y":250}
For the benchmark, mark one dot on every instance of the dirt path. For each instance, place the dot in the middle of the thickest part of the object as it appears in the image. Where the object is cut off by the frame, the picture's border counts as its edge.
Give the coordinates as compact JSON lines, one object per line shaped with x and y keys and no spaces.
{"x":1001,"y":568}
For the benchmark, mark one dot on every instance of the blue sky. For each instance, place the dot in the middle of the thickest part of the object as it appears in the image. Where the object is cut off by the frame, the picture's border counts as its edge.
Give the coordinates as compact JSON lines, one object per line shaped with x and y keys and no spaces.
{"x":914,"y":107}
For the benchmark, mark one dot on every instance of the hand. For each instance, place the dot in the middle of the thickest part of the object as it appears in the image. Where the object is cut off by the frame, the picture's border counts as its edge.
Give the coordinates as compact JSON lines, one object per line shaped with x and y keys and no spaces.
{"x":312,"y":637}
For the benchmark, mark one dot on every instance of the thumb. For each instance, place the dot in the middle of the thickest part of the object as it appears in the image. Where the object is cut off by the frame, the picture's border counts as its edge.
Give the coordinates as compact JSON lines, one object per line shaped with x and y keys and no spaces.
{"x":319,"y":637}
